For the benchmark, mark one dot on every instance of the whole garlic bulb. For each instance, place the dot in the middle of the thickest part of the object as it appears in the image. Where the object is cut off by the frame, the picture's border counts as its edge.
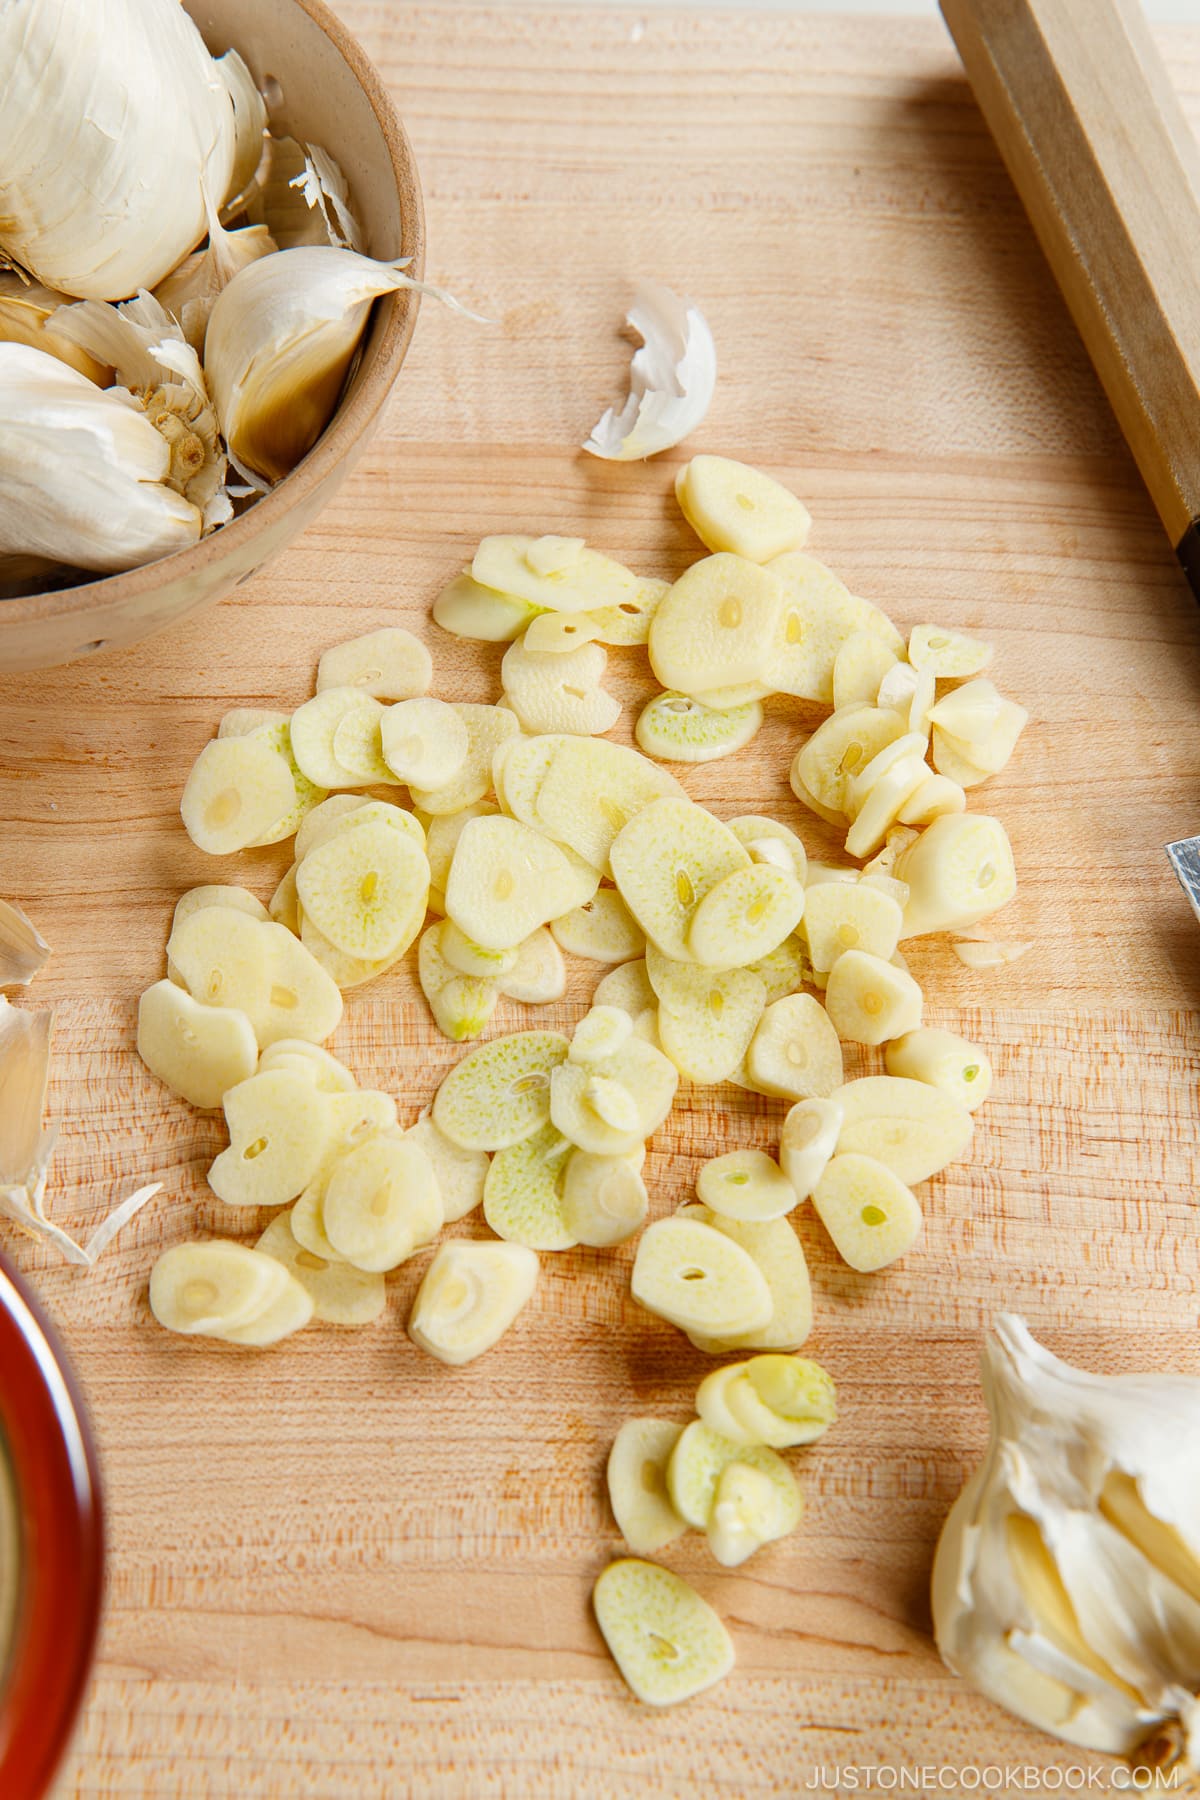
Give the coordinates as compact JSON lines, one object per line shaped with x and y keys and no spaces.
{"x":83,"y":471}
{"x":1066,"y":1584}
{"x":112,"y":116}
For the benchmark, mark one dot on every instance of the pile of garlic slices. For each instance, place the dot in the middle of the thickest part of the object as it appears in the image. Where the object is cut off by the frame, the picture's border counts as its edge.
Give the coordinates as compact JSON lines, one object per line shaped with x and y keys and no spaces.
{"x":136,"y":168}
{"x":729,"y":956}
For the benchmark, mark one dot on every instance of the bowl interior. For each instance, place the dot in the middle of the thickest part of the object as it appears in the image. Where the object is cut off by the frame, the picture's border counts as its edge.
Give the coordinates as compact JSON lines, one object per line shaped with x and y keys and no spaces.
{"x":323,"y":89}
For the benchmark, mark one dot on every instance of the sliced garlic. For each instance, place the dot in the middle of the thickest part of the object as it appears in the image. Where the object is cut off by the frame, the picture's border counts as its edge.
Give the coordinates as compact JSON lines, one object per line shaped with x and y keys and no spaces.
{"x":840,"y":917}
{"x":871,"y":1216}
{"x":914,"y":1128}
{"x":807,"y":1141}
{"x":869,"y":1000}
{"x":745,"y":1184}
{"x":487,"y":728}
{"x":780,"y":1401}
{"x":365,"y":890}
{"x":677,"y":728}
{"x":731,"y":506}
{"x":846,"y":743}
{"x":237,"y":788}
{"x":665,"y":860}
{"x":818,"y":614}
{"x":505,"y":880}
{"x":748,"y":1511}
{"x":204,"y":1289}
{"x":324,"y":1070}
{"x":612,"y":1104}
{"x":707,"y":1020}
{"x":745,"y":915}
{"x":522,"y":1195}
{"x":471,"y":1294}
{"x":604,"y":1201}
{"x":716,"y":626}
{"x":592,"y":789}
{"x":555,"y":633}
{"x":559,"y":691}
{"x":671,"y":378}
{"x":637,"y":1484}
{"x":537,"y":571}
{"x":388,"y":664}
{"x":538,"y":975}
{"x":770,"y":842}
{"x":627,"y":987}
{"x":461,"y":1004}
{"x":989,"y":953}
{"x":381,"y":1203}
{"x":341,"y":1294}
{"x":795,"y":1052}
{"x":700,"y":1458}
{"x":776,"y":1251}
{"x":960,"y":870}
{"x":602,"y":930}
{"x":944,"y":1060}
{"x":950,"y":654}
{"x":279,"y":1125}
{"x":23,"y":950}
{"x":860,"y":668}
{"x":198,"y":1051}
{"x":500,"y":1093}
{"x":469,"y":610}
{"x":699,"y":1279}
{"x":424,"y":741}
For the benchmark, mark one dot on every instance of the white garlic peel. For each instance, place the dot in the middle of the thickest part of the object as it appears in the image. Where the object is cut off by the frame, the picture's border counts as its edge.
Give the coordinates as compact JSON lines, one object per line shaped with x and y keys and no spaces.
{"x":671,"y":379}
{"x":83,"y":472}
{"x":111,"y":117}
{"x":1066,"y":1584}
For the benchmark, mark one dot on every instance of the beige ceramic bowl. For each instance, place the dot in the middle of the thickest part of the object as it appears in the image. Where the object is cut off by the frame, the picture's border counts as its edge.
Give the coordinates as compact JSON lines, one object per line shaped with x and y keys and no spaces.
{"x":324,"y":88}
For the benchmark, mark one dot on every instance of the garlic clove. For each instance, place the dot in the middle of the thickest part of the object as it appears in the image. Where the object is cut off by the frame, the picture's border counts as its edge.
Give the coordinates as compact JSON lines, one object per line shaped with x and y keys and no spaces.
{"x":27,"y":314}
{"x":671,"y":381}
{"x":23,"y":949}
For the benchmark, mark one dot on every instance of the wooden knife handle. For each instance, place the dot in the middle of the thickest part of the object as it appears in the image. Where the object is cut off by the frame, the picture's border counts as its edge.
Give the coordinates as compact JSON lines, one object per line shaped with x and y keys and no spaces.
{"x":1097,"y":144}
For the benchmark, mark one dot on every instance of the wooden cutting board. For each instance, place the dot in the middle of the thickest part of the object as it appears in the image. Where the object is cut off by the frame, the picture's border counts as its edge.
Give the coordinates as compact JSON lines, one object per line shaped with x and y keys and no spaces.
{"x":339,"y":1569}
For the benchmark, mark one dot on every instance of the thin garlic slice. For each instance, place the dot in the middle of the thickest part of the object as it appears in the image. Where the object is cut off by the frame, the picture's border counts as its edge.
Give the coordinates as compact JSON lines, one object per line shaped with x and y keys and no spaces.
{"x":667,"y":1642}
{"x":745,"y":1184}
{"x":807,"y":1141}
{"x":471,"y":1294}
{"x":522,"y":1195}
{"x":637,"y":1484}
{"x":604,"y":1200}
{"x":699,"y":1279}
{"x":341,"y":1294}
{"x":671,"y":378}
{"x":731,"y":506}
{"x":989,"y":953}
{"x":774,"y":1248}
{"x":500,"y":1093}
{"x":23,"y":950}
{"x":24,"y":1077}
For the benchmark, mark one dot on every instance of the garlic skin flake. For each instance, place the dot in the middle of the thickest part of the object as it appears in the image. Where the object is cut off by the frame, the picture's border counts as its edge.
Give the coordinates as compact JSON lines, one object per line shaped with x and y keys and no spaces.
{"x":112,"y":114}
{"x":27,"y":311}
{"x":190,"y":292}
{"x":23,"y":949}
{"x":1066,"y":1584}
{"x":83,"y":472}
{"x":671,"y":378}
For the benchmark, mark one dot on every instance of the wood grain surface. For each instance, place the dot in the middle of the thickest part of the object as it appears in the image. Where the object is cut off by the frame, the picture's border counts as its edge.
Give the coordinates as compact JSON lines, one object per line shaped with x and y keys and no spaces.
{"x":337,"y":1568}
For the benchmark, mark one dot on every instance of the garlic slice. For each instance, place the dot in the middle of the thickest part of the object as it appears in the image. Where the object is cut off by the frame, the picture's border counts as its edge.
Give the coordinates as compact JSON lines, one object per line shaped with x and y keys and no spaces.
{"x":83,"y":472}
{"x":23,"y":950}
{"x":1067,"y":1579}
{"x":671,"y":378}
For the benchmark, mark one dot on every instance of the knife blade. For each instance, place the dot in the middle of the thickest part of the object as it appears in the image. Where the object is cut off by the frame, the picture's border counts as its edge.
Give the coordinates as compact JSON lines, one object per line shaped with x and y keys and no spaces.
{"x":1185,"y":860}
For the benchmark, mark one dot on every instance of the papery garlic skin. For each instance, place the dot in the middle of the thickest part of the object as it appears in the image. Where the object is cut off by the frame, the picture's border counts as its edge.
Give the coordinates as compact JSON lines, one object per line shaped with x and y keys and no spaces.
{"x":82,"y":471}
{"x":671,"y":379}
{"x":27,"y":314}
{"x":112,"y":116}
{"x":280,"y":340}
{"x":190,"y":292}
{"x":1050,"y":1591}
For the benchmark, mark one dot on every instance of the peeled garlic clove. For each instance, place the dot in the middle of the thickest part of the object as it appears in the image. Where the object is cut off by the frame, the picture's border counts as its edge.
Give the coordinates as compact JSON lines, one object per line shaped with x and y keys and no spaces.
{"x":667,"y":1642}
{"x":189,"y":292}
{"x":914,"y":1128}
{"x":960,"y":870}
{"x":83,"y":472}
{"x":944,"y":1060}
{"x":671,"y":378}
{"x":114,"y":119}
{"x":471,"y":1294}
{"x":637,"y":1484}
{"x":280,"y":340}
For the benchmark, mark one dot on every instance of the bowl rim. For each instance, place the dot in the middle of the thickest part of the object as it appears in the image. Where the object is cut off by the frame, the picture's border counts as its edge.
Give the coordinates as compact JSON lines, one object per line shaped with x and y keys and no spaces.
{"x":58,"y":1498}
{"x":359,"y":406}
